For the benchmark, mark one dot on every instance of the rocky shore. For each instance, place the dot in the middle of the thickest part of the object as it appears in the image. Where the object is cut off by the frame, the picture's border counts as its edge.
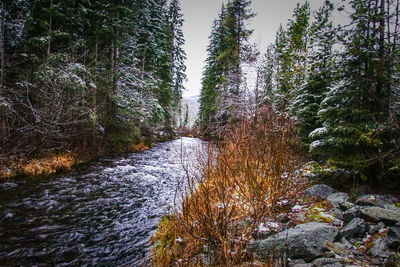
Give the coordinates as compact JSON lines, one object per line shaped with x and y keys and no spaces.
{"x":329,"y":228}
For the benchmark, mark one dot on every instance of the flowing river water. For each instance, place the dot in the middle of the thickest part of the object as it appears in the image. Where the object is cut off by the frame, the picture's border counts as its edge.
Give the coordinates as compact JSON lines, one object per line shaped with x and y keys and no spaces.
{"x":101,"y":215}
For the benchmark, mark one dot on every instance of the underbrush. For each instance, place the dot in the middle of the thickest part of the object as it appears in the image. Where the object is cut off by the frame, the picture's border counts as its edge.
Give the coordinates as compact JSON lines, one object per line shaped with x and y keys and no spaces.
{"x":140,"y":147}
{"x":234,"y":187}
{"x":48,"y":162}
{"x":49,"y":165}
{"x":187,"y":131}
{"x":42,"y":166}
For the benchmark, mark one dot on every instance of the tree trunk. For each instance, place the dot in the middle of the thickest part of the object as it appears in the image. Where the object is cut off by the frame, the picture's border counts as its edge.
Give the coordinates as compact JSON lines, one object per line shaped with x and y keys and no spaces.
{"x":2,"y":28}
{"x":382,"y":68}
{"x":49,"y":32}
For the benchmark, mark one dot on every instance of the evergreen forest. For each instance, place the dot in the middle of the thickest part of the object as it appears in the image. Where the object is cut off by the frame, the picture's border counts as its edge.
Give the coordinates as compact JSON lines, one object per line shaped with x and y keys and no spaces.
{"x":339,"y":84}
{"x":91,"y":77}
{"x":289,"y":154}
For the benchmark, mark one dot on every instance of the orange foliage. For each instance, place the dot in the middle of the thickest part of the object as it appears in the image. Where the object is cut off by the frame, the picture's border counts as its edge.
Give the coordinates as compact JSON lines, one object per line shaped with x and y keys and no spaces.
{"x":49,"y":165}
{"x":141,"y":147}
{"x":235,"y":186}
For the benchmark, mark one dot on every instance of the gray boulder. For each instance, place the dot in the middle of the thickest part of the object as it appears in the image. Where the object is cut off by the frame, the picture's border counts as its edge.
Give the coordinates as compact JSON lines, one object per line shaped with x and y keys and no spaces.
{"x":380,"y":248}
{"x":305,"y":241}
{"x":319,"y":190}
{"x":322,"y":262}
{"x":337,"y":198}
{"x":393,"y":238}
{"x":381,"y":201}
{"x":336,"y":264}
{"x":337,"y":213}
{"x":346,"y":243}
{"x":297,"y":263}
{"x":283,"y":218}
{"x":350,"y":214}
{"x":374,"y":228}
{"x":346,"y":205}
{"x":376,"y":214}
{"x":337,"y":249}
{"x":355,"y":228}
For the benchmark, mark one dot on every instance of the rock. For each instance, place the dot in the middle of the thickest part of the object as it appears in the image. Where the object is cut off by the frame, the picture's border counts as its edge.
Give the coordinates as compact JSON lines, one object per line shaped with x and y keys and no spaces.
{"x":386,"y":201}
{"x":320,"y":190}
{"x":337,"y":213}
{"x":322,"y":262}
{"x":336,"y":264}
{"x":376,"y":214}
{"x":296,"y":263}
{"x":380,"y":248}
{"x":346,"y":205}
{"x":376,"y":261}
{"x":337,"y":249}
{"x":244,"y":223}
{"x":264,"y":230}
{"x":300,"y":216}
{"x":305,"y":241}
{"x":374,"y":228}
{"x":282,"y":218}
{"x":350,"y":214}
{"x":337,"y":198}
{"x":393,"y":237}
{"x":340,"y":245}
{"x":355,"y":228}
{"x":357,"y":242}
{"x":346,"y":243}
{"x":355,"y":252}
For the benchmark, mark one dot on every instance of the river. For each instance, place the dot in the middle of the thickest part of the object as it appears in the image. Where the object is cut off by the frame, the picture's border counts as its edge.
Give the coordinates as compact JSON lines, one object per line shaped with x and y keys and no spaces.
{"x":103,"y":214}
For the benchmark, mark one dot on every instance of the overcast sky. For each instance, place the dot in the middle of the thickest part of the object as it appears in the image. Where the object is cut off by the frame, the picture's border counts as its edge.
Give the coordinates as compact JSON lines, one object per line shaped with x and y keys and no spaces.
{"x":199,"y":15}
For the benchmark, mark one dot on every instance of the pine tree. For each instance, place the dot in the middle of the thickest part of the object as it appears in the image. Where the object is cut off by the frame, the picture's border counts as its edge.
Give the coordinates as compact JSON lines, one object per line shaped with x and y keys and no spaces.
{"x":213,"y":76}
{"x":178,"y":54}
{"x":268,"y":75}
{"x":321,"y":72}
{"x":355,"y":113}
{"x":89,"y":70}
{"x":186,"y":119}
{"x":291,"y":57}
{"x":229,"y":48}
{"x":282,"y":65}
{"x":237,"y":51}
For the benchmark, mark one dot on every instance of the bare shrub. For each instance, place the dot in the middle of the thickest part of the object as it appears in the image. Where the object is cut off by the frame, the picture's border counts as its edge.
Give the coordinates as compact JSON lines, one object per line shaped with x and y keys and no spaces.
{"x":235,"y":186}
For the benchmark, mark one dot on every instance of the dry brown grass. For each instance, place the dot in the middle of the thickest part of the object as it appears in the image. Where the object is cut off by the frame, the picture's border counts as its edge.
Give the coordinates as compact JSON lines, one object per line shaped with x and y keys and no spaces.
{"x":44,"y":166}
{"x":234,"y":187}
{"x":49,"y":165}
{"x":141,"y":147}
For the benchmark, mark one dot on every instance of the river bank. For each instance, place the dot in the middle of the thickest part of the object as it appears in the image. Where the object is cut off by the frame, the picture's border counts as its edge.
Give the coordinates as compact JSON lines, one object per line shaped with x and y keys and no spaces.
{"x":329,"y":228}
{"x":51,"y":163}
{"x":249,"y":202}
{"x":101,"y":214}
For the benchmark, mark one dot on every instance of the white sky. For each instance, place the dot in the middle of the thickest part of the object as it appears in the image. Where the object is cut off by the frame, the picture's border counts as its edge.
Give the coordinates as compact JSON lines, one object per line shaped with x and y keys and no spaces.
{"x":199,"y":15}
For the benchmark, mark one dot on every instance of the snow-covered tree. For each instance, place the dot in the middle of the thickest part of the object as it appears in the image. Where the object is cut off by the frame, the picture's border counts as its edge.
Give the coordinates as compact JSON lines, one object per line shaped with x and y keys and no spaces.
{"x":357,"y":134}
{"x":321,"y":71}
